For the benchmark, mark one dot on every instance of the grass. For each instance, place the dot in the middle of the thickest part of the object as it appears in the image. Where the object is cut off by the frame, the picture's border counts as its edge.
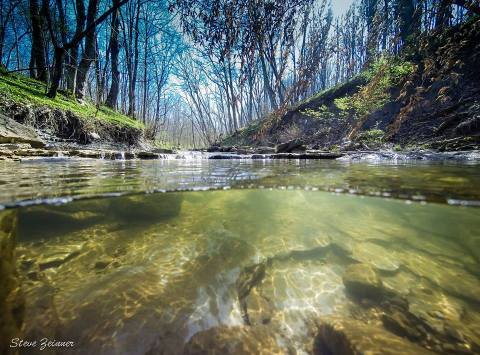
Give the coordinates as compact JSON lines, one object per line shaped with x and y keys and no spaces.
{"x":382,"y":76}
{"x":22,"y":89}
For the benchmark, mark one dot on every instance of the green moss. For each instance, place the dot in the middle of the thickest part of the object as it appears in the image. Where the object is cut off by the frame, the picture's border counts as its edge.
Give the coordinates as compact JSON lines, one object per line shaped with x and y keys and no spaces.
{"x":25,"y":90}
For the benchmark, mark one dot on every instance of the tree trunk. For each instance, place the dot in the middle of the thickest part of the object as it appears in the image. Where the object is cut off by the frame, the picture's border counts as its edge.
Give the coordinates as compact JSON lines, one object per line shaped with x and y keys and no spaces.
{"x":88,"y":53}
{"x":134,"y":71}
{"x":370,"y":13}
{"x":266,"y":82}
{"x":73,"y":57}
{"x":57,"y":72}
{"x":444,"y":11}
{"x":60,"y":50}
{"x":408,"y":22}
{"x":114,"y":52}
{"x":145,"y":73}
{"x":38,"y":45}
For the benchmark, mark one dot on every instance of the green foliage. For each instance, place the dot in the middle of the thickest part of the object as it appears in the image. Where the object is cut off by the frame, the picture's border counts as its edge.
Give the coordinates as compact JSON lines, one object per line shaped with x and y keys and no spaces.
{"x":320,"y":113}
{"x":343,"y":103}
{"x":24,"y":90}
{"x":371,"y":136}
{"x":382,"y":76}
{"x":392,"y":69}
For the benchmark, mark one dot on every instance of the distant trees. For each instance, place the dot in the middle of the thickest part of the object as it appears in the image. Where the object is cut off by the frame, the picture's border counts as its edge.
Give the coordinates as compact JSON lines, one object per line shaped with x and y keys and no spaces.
{"x":263,"y":55}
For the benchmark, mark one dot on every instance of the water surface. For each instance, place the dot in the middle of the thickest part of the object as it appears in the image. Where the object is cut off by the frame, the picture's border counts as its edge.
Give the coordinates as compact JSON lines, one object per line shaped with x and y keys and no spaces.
{"x":268,"y":250}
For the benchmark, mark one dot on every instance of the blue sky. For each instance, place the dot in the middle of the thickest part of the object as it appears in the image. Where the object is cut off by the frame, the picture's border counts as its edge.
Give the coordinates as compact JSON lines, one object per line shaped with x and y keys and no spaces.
{"x":340,"y":6}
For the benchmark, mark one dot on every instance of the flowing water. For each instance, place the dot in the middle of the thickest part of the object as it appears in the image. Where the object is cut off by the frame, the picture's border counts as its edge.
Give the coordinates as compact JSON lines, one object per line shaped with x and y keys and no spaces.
{"x":256,"y":252}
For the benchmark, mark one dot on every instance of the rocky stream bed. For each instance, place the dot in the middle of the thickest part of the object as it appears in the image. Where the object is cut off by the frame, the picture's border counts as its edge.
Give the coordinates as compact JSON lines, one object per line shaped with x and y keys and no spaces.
{"x":176,"y":274}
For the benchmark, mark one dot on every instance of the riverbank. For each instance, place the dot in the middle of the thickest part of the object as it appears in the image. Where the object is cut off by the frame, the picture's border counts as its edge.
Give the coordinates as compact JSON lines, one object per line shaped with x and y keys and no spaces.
{"x":24,"y":151}
{"x":425,"y":98}
{"x":64,"y":119}
{"x":36,"y":128}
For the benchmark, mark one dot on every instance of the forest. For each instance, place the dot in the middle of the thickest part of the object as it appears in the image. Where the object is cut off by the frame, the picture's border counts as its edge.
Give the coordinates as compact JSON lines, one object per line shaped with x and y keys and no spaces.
{"x":236,"y":177}
{"x":194,"y":71}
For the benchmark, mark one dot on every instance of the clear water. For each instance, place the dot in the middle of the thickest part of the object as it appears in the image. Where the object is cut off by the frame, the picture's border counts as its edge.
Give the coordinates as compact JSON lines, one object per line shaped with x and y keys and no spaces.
{"x":142,"y":273}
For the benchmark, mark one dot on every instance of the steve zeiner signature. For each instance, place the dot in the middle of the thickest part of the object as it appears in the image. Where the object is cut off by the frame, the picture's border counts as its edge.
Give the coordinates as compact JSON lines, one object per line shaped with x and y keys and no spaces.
{"x":41,"y":344}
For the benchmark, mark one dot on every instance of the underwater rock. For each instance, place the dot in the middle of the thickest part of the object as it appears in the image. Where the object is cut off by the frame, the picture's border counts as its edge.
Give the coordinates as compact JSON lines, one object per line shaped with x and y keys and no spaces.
{"x":224,"y":340}
{"x":56,"y":258}
{"x":250,"y":277}
{"x":12,"y":302}
{"x":432,"y":331}
{"x":403,"y":324}
{"x":363,"y":282}
{"x":256,"y":308}
{"x":48,"y":221}
{"x":351,"y":337}
{"x":377,"y":256}
{"x":145,"y":208}
{"x":451,"y":278}
{"x":102,"y":264}
{"x":41,"y":317}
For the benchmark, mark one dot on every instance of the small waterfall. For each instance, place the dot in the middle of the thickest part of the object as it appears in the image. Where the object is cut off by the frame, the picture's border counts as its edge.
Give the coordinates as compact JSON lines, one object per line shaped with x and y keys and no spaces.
{"x":102,"y":155}
{"x":122,"y":155}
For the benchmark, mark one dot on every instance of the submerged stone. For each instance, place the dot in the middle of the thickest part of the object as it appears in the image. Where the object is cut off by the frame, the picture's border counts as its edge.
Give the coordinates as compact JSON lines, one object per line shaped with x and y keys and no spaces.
{"x":237,"y":340}
{"x":57,"y":258}
{"x":377,"y":256}
{"x":403,"y":324}
{"x":102,"y":264}
{"x":48,"y":221}
{"x":142,"y":208}
{"x":351,"y":337}
{"x":363,"y":282}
